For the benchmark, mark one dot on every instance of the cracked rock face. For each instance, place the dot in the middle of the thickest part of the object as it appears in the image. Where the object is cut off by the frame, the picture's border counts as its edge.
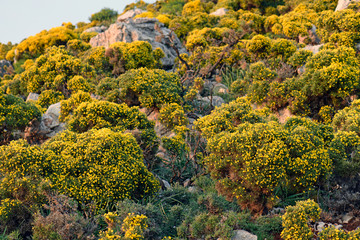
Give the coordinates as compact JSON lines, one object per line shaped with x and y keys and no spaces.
{"x":142,"y":29}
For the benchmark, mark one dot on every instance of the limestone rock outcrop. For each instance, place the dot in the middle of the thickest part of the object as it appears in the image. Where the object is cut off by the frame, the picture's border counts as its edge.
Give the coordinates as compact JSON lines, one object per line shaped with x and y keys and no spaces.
{"x":142,"y":29}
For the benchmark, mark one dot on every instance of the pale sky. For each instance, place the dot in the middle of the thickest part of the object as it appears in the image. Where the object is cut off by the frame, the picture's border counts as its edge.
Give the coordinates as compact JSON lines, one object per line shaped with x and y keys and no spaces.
{"x":20,"y":19}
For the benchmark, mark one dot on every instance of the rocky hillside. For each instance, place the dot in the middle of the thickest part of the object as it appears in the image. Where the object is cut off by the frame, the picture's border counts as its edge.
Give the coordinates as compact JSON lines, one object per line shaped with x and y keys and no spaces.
{"x":185,"y":119}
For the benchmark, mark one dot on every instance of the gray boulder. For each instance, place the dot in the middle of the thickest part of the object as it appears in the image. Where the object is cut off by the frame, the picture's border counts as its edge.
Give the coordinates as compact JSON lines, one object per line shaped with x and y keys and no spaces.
{"x":98,"y":29}
{"x":129,"y":14}
{"x":244,"y":235}
{"x":315,"y":49}
{"x":4,"y":67}
{"x":32,"y":97}
{"x":142,"y":29}
{"x":220,"y":12}
{"x":54,"y":111}
{"x":215,"y":101}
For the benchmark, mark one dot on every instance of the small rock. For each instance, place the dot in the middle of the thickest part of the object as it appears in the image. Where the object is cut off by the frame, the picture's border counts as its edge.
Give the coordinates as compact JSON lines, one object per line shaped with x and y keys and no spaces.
{"x":315,"y":49}
{"x":338,"y":226}
{"x":32,"y":97}
{"x":301,"y":70}
{"x":193,"y":189}
{"x":320,"y":226}
{"x":215,"y":100}
{"x":130,"y":14}
{"x":98,"y":29}
{"x":187,"y":182}
{"x":243,"y":235}
{"x":220,"y":88}
{"x":166,"y":184}
{"x":347,"y":218}
{"x":220,"y":12}
{"x":54,"y":110}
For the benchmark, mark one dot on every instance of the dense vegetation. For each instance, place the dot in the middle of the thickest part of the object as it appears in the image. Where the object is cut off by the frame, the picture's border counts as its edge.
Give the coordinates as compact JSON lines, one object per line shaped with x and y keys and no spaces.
{"x":256,"y":126}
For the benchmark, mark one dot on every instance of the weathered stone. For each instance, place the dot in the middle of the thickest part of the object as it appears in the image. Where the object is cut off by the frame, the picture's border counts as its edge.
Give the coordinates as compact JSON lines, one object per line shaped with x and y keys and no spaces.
{"x":347,"y":218}
{"x":243,"y":235}
{"x":98,"y":29}
{"x":5,"y":66}
{"x":301,"y":70}
{"x":166,"y":184}
{"x":314,"y":48}
{"x":215,"y":101}
{"x":187,"y":182}
{"x":54,"y":111}
{"x":220,"y":88}
{"x":343,"y":4}
{"x":32,"y":97}
{"x":142,"y":29}
{"x":220,"y":12}
{"x":130,"y":14}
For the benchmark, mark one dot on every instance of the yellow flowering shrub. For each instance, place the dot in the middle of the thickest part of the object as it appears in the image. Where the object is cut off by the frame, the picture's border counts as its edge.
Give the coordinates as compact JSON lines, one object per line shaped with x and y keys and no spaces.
{"x":334,"y":73}
{"x":172,"y":115}
{"x":104,"y":114}
{"x":34,"y":46}
{"x":97,"y":58}
{"x":299,"y":58}
{"x":152,"y":87}
{"x":134,"y":226}
{"x":98,"y":166}
{"x":15,"y":114}
{"x":193,"y":7}
{"x":69,"y":105}
{"x":296,"y":220}
{"x":295,"y":23}
{"x":283,"y":48}
{"x":135,"y":55}
{"x":78,"y":83}
{"x":340,"y":28}
{"x":53,"y":70}
{"x":259,"y":46}
{"x":48,"y":97}
{"x":348,"y":118}
{"x":250,"y":159}
{"x":227,"y":117}
{"x":260,"y":78}
{"x":76,"y":46}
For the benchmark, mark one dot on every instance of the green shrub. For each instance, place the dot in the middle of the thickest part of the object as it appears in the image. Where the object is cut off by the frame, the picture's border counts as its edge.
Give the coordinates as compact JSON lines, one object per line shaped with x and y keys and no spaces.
{"x":106,"y":14}
{"x":348,"y":118}
{"x":15,"y":114}
{"x":151,"y":88}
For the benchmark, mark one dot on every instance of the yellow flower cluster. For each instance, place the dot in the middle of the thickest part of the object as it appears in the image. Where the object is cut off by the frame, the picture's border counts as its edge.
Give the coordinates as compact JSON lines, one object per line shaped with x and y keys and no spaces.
{"x":297,"y":218}
{"x":153,"y":87}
